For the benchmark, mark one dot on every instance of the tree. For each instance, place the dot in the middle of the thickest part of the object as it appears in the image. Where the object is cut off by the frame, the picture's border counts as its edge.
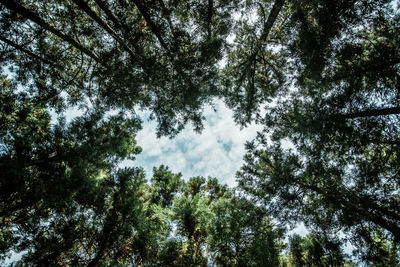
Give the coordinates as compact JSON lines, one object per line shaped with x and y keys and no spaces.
{"x":193,"y":215}
{"x":165,"y":186}
{"x":241,"y":234}
{"x":157,"y":55}
{"x":256,"y":67}
{"x":287,"y":44}
{"x":377,"y":250}
{"x":314,"y":250}
{"x":103,"y":232}
{"x":55,"y":176}
{"x":328,"y":153}
{"x":321,"y":76}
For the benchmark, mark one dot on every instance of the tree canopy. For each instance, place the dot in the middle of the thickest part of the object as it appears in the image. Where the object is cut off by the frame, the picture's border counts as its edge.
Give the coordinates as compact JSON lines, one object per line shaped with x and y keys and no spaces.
{"x":321,"y":77}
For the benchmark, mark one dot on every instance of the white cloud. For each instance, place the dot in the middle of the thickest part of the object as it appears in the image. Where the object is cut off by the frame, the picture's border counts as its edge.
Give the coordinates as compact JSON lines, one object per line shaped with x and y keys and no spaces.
{"x":216,"y":152}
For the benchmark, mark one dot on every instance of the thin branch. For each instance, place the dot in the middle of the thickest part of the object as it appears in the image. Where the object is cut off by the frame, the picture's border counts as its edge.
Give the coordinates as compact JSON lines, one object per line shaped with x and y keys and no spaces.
{"x":51,"y":64}
{"x":103,"y":24}
{"x":371,"y":113}
{"x":18,"y":8}
{"x":108,"y":12}
{"x":22,"y":49}
{"x":153,"y":27}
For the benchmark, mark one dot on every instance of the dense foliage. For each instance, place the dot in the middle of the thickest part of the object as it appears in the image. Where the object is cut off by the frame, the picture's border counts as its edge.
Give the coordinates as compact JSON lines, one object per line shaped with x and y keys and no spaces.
{"x":321,"y":77}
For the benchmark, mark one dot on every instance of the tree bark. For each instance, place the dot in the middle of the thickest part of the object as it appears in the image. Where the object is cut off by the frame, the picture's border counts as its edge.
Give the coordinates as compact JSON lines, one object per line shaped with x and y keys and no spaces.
{"x":272,"y":17}
{"x":209,"y":18}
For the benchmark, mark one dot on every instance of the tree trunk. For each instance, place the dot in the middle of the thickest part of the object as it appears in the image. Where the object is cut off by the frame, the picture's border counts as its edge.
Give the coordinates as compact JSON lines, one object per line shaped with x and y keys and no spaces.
{"x":209,"y":18}
{"x":273,"y":15}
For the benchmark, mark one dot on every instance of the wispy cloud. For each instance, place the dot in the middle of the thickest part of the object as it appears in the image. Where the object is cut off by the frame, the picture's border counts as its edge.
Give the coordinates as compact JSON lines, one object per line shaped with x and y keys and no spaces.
{"x":216,"y":152}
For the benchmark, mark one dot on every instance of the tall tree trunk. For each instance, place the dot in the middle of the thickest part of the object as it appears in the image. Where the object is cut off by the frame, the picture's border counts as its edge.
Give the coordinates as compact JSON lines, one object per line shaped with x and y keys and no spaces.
{"x":209,"y":18}
{"x":272,"y":17}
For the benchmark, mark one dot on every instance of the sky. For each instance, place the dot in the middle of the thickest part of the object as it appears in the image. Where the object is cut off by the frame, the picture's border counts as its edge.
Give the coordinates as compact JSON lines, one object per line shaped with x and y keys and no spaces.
{"x":217,"y":151}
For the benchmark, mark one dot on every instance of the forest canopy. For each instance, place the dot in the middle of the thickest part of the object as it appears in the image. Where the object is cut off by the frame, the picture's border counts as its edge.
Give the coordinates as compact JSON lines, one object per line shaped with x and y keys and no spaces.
{"x":322,"y":79}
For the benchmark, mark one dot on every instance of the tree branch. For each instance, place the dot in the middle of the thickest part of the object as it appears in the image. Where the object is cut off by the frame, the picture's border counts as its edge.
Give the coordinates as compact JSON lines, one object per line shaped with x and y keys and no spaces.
{"x":103,"y":24}
{"x":371,"y":113}
{"x":153,"y":27}
{"x":16,"y":7}
{"x":22,"y":49}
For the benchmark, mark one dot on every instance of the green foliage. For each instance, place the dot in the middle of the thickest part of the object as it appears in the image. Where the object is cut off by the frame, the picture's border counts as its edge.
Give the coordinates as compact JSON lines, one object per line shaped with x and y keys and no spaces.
{"x":56,"y":179}
{"x":158,"y":55}
{"x":327,"y":154}
{"x":314,"y":250}
{"x":322,"y":77}
{"x":165,"y":185}
{"x":241,"y":234}
{"x":377,"y":250}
